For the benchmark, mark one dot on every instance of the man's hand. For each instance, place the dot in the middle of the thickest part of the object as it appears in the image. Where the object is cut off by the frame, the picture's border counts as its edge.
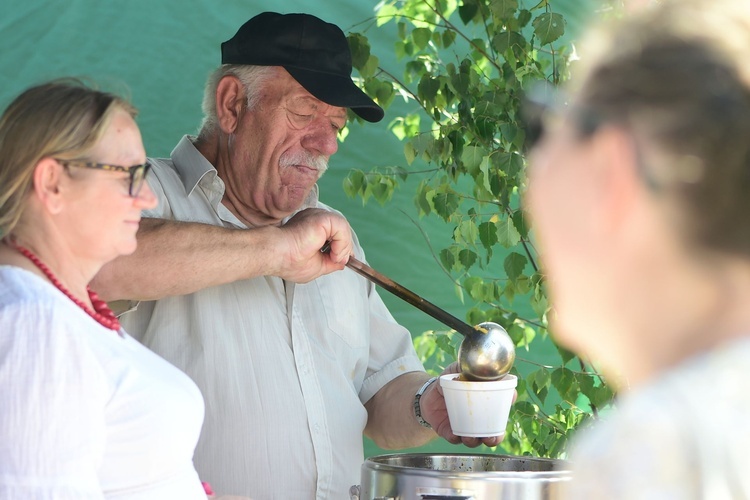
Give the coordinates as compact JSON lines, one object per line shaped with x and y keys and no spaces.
{"x":304,"y":235}
{"x":435,"y":413}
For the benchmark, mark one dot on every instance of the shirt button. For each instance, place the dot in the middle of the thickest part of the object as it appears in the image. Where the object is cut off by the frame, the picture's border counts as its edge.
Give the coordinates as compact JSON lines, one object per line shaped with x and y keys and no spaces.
{"x":316,"y":427}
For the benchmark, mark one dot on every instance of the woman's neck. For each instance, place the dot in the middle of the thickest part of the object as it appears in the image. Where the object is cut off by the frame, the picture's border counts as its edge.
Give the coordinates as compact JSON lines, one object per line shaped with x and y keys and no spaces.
{"x":697,"y":308}
{"x":70,"y":271}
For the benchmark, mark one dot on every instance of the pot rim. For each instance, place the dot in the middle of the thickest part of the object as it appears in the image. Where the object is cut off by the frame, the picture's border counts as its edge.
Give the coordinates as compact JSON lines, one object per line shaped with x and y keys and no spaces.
{"x":563,"y":474}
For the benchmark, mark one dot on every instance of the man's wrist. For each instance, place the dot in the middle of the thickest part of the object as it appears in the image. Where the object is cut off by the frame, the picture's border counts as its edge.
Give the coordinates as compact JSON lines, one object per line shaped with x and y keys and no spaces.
{"x":417,"y":407}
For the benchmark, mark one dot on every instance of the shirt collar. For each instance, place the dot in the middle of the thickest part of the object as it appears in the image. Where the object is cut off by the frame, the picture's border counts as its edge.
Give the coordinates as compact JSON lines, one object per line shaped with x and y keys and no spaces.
{"x":191,"y":165}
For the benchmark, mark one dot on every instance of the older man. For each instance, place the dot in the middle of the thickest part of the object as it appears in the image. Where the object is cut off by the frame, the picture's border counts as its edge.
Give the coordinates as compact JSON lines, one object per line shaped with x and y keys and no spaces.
{"x":292,"y":374}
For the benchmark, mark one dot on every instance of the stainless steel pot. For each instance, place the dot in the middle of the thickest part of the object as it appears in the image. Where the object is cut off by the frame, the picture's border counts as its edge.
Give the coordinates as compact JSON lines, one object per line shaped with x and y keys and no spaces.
{"x":425,"y":476}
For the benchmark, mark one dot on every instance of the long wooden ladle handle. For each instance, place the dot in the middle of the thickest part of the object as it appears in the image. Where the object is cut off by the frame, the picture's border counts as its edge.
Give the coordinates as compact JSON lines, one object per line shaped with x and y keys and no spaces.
{"x":412,"y":298}
{"x":405,"y":294}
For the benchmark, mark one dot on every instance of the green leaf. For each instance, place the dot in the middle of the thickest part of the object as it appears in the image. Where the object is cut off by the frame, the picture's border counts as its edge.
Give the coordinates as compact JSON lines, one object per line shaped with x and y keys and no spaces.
{"x":558,"y":448}
{"x":585,"y":384}
{"x":385,"y":94}
{"x":503,"y":9}
{"x":409,"y":152}
{"x":473,"y":285}
{"x":460,"y":83}
{"x":428,"y":88}
{"x":422,"y":145}
{"x":491,"y":292}
{"x":524,"y":16}
{"x":369,"y":67}
{"x":539,"y":304}
{"x":508,"y":132}
{"x":421,"y":37}
{"x":401,"y":29}
{"x":360,"y":49}
{"x":386,"y":13}
{"x":400,"y":172}
{"x":523,"y":284}
{"x":445,"y":204}
{"x":475,"y":316}
{"x":447,"y":258}
{"x":513,"y":264}
{"x":565,"y":382}
{"x":423,"y":199}
{"x":519,"y":220}
{"x":405,"y":127}
{"x":565,"y":354}
{"x":484,"y":174}
{"x":472,"y":157}
{"x":601,"y":396}
{"x":507,"y":234}
{"x":468,"y":10}
{"x":382,"y":190}
{"x":449,"y":36}
{"x":488,"y":234}
{"x":466,"y":232}
{"x":511,"y":164}
{"x":443,"y":343}
{"x":509,"y":291}
{"x":541,"y":378}
{"x":353,"y":182}
{"x":467,"y":258}
{"x":548,"y":27}
{"x":507,"y":40}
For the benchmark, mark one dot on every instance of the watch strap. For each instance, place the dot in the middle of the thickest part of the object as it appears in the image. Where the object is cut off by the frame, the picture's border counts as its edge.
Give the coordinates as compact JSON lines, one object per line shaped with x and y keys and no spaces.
{"x":417,"y":408}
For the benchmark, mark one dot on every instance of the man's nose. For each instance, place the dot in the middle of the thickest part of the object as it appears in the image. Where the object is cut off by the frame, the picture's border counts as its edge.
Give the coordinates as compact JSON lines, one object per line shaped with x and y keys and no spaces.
{"x":321,"y":138}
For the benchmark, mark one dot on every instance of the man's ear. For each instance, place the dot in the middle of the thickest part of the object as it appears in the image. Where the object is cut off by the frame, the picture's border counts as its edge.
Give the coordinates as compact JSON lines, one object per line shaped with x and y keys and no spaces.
{"x":230,"y":103}
{"x":48,"y":179}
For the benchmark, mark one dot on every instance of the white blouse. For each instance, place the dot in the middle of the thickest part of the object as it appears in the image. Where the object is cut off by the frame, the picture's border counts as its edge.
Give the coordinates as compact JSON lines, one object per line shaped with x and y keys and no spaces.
{"x":684,"y":436}
{"x":84,"y":412}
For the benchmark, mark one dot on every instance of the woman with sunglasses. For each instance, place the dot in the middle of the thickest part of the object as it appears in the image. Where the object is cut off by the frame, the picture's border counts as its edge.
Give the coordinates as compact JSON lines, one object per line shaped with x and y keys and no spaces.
{"x":85,"y":410}
{"x":640,"y":196}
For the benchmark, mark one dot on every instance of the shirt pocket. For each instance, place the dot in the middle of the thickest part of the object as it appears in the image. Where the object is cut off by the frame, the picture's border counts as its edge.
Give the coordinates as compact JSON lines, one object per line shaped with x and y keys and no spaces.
{"x":345,"y":300}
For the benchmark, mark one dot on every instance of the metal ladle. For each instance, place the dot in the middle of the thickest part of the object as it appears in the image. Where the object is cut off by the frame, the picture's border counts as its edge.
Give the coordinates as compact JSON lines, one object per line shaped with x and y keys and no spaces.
{"x":486,"y":352}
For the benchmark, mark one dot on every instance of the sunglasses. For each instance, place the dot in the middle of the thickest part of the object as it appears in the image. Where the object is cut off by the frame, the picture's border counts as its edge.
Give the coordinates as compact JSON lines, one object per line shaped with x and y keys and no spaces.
{"x":543,"y":106}
{"x":137,"y":172}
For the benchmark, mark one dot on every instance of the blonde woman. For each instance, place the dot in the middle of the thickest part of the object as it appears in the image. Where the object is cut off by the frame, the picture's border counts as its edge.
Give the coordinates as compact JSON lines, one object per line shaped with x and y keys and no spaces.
{"x":85,"y":410}
{"x":640,"y":195}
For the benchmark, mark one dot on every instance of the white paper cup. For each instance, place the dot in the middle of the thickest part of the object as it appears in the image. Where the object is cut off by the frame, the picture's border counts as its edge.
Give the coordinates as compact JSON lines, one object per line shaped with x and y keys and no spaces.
{"x":478,"y":409}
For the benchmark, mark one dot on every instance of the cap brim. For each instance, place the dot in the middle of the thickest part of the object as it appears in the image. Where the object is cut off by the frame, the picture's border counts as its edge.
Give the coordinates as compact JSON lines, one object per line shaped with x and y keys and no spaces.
{"x":338,"y":91}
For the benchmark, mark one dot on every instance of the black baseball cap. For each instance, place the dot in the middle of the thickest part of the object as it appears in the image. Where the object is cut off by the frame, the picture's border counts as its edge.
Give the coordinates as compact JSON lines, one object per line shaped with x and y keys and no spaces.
{"x":313,"y":51}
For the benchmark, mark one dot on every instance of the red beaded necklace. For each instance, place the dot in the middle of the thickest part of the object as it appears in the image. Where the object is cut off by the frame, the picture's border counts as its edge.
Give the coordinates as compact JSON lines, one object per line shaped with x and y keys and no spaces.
{"x":101,"y":313}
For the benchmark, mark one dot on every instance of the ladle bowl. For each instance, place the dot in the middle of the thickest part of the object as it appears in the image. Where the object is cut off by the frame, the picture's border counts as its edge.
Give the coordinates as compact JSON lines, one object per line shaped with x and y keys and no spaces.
{"x":486,"y":356}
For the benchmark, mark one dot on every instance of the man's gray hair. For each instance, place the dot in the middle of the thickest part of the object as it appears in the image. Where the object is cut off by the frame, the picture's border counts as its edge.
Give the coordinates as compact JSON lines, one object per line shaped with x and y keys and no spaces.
{"x":252,"y":78}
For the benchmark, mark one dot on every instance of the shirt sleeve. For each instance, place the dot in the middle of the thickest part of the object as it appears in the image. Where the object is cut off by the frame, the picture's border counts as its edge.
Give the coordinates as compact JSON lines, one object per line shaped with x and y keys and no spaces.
{"x":52,"y":430}
{"x":392,"y":351}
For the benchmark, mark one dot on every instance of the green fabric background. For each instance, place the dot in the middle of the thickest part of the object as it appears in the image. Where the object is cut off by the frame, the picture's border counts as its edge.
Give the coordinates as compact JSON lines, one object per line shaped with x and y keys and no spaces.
{"x":160,"y":53}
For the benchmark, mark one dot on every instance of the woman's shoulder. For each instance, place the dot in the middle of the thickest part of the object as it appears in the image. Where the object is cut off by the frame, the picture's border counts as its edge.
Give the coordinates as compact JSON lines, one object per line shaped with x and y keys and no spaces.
{"x":35,"y":316}
{"x":20,"y":288}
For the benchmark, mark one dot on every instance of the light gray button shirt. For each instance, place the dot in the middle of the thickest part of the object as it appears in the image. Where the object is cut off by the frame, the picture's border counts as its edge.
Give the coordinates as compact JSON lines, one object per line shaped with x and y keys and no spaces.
{"x":284,"y":369}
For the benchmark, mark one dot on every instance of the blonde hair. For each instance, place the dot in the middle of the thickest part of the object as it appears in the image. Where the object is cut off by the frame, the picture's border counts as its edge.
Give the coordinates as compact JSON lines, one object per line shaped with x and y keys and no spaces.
{"x":677,"y":77}
{"x":60,"y":119}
